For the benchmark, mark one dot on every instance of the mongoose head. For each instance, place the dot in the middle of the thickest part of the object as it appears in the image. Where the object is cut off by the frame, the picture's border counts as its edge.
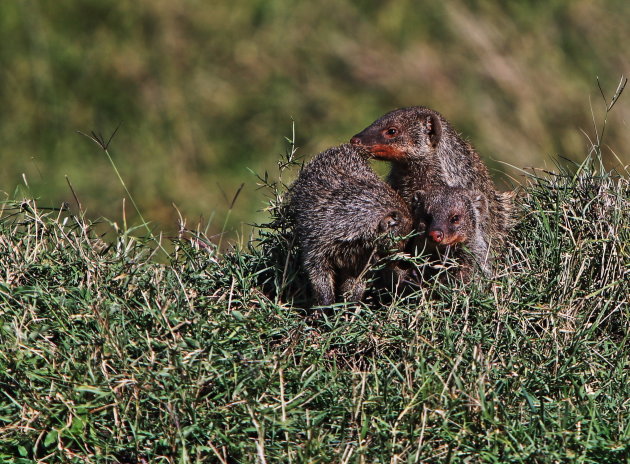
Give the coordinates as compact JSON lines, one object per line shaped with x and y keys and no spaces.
{"x":396,"y":223}
{"x":447,"y":216}
{"x":405,"y":134}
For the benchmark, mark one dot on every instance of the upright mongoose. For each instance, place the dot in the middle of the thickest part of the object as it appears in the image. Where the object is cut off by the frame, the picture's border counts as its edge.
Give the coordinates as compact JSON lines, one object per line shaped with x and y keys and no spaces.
{"x":426,"y":152}
{"x":344,"y":215}
{"x":448,"y":220}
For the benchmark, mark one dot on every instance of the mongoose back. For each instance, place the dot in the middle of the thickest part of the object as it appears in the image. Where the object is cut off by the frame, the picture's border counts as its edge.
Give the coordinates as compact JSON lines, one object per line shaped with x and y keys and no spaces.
{"x":449,"y":219}
{"x":426,"y":152}
{"x":344,"y":215}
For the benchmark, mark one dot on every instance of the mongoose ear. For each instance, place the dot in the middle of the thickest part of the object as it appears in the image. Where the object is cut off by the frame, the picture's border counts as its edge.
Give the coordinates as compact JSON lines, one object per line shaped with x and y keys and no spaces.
{"x":389,"y":222}
{"x":432,"y":127}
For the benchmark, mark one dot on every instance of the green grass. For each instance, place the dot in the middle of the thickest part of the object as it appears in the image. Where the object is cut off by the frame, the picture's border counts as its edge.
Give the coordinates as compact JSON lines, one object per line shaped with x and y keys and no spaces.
{"x":109,"y":354}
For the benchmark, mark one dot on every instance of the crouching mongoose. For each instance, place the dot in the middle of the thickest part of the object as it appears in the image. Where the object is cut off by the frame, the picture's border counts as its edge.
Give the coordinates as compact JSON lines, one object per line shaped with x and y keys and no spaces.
{"x":344,"y":216}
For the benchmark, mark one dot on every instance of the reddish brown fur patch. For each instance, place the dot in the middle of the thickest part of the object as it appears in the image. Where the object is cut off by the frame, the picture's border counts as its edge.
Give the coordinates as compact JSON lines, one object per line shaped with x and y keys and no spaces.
{"x":453,"y":239}
{"x":387,"y":152}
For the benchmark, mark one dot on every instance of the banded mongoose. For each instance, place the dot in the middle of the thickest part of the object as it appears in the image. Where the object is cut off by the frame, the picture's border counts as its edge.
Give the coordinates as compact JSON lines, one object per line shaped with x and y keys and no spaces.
{"x":426,"y":152}
{"x":344,"y":216}
{"x":448,"y":220}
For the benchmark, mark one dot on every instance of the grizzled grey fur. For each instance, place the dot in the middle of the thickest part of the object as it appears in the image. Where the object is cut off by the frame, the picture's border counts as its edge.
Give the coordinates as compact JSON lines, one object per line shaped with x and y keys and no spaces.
{"x":449,"y":220}
{"x":344,"y":216}
{"x":426,"y":152}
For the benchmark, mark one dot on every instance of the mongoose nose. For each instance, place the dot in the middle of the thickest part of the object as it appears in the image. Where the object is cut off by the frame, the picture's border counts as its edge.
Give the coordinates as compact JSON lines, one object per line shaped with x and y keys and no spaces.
{"x":355,"y":140}
{"x":436,"y":235}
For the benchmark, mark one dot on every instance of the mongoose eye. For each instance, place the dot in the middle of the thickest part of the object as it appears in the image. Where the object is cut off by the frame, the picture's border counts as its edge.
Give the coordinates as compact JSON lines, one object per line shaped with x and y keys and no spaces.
{"x":391,"y":132}
{"x":455,"y":219}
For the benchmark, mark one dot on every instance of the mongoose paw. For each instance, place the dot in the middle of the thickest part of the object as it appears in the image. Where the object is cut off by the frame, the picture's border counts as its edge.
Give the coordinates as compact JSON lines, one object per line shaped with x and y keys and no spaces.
{"x":389,"y":222}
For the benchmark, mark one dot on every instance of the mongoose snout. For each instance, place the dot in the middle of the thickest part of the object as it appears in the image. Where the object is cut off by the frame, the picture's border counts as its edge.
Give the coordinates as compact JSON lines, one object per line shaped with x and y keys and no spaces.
{"x":381,"y":151}
{"x":436,"y":235}
{"x":446,"y":238}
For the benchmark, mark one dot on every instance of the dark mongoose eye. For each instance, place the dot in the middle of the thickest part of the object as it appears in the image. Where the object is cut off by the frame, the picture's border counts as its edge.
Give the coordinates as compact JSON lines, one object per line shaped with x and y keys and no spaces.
{"x":391,"y":132}
{"x":455,"y":219}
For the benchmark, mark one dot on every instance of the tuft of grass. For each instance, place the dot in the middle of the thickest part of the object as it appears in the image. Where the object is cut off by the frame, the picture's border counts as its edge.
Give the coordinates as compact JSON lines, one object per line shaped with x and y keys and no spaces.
{"x":108,"y":354}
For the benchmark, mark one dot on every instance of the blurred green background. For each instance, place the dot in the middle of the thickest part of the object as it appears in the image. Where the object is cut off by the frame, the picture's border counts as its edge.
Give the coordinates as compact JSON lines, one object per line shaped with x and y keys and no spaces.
{"x":205,"y":91}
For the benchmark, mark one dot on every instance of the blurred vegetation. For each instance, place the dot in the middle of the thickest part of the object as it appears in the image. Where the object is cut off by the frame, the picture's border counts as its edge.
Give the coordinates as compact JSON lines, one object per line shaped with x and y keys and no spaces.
{"x":206,"y":91}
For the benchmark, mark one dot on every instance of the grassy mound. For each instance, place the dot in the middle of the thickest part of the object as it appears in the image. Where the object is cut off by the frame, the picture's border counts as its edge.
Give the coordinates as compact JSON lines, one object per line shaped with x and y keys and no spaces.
{"x":108,"y":354}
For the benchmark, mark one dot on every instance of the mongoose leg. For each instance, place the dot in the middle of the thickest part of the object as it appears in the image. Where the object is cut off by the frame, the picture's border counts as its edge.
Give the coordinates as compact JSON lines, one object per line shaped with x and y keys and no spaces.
{"x":323,"y":285}
{"x":393,"y":276}
{"x":353,"y":288}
